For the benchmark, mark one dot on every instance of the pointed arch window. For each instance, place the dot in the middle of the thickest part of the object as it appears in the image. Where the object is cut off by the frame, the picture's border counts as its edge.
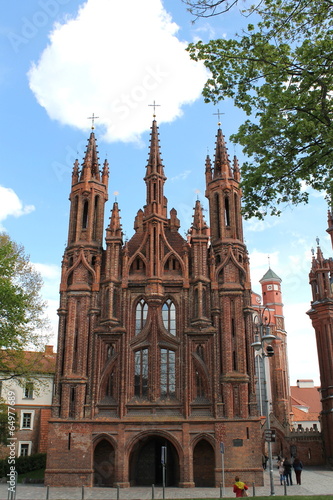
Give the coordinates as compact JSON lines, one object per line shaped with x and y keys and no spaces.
{"x":141,"y":373}
{"x":85,"y":215}
{"x":199,"y":386}
{"x":140,"y":316}
{"x":110,"y":385}
{"x":169,"y":316}
{"x":168,"y":373}
{"x":226,"y":211}
{"x":96,"y":221}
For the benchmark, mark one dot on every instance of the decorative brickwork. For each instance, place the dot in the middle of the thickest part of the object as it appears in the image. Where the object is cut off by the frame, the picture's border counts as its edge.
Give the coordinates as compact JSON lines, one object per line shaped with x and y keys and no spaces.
{"x":155,"y":336}
{"x":321,"y":314}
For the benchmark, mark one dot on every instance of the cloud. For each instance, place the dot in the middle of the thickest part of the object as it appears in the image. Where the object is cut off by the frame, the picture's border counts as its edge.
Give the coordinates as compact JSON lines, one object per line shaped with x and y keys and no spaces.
{"x":182,"y":176}
{"x":115,"y":59}
{"x":257,"y":225}
{"x":11,"y":205}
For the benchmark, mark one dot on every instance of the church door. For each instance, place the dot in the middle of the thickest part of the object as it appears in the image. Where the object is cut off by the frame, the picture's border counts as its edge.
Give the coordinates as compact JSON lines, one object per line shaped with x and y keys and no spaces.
{"x":146,"y":463}
{"x":204,"y":464}
{"x":104,"y":464}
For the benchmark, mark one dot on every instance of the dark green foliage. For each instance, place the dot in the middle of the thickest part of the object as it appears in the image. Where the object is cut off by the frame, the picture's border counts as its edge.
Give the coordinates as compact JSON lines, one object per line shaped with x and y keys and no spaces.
{"x":24,"y":464}
{"x":280,"y":73}
{"x":22,"y":322}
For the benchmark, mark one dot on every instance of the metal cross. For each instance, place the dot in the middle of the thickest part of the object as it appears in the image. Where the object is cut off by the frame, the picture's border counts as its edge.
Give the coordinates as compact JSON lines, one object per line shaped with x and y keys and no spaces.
{"x":92,"y":118}
{"x":154,"y":105}
{"x":218,"y":114}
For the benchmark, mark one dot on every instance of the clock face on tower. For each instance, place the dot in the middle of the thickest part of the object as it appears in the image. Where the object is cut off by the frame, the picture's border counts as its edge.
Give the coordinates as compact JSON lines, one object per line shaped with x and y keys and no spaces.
{"x":258,"y":300}
{"x":269,"y":287}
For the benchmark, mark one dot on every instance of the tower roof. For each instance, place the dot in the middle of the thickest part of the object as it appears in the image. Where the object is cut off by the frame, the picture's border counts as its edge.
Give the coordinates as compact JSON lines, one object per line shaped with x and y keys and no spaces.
{"x":222,"y":167}
{"x":90,"y":166}
{"x":154,"y":160}
{"x":270,"y":275}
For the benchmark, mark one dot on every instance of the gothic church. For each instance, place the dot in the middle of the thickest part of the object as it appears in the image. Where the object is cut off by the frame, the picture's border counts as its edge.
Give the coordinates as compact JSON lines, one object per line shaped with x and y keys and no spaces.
{"x":155,"y":369}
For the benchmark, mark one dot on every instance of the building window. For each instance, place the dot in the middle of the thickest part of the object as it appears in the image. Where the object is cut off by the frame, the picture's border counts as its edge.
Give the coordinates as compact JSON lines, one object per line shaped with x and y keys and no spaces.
{"x":169,"y":316}
{"x":141,"y":374}
{"x":85,"y":215}
{"x":168,"y":373}
{"x":24,"y":448}
{"x":27,"y":420}
{"x":29,"y":390}
{"x":140,"y":316}
{"x":200,"y":390}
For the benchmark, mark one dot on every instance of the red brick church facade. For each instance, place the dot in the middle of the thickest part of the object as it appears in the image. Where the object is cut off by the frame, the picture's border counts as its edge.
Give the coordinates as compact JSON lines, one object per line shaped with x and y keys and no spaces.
{"x":154,"y":347}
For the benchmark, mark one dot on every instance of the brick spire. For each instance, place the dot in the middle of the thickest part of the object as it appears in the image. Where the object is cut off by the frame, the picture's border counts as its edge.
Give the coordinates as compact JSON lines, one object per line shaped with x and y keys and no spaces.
{"x":222,"y":166}
{"x":90,"y":166}
{"x":155,"y":178}
{"x":199,"y":226}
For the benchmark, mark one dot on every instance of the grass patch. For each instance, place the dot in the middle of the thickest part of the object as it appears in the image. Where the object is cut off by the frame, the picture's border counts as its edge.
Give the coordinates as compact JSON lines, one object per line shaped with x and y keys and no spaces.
{"x":276,"y":497}
{"x":35,"y":475}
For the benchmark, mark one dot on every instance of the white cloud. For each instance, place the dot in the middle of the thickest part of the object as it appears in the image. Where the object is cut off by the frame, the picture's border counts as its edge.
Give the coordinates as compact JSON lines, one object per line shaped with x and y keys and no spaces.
{"x":115,"y":59}
{"x":257,"y":225}
{"x":11,"y":205}
{"x":182,"y":176}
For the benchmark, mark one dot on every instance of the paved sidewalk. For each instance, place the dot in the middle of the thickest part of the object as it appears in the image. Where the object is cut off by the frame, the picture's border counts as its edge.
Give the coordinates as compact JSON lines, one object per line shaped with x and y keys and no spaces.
{"x":315,"y":481}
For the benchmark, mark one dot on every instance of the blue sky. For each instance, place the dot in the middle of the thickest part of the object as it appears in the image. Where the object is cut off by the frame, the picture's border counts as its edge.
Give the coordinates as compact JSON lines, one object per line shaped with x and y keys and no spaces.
{"x":61,"y":61}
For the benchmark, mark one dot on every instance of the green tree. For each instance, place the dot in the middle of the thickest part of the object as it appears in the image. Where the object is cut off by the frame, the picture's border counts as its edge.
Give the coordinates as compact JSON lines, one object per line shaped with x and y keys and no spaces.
{"x":279,"y":71}
{"x":23,"y":324}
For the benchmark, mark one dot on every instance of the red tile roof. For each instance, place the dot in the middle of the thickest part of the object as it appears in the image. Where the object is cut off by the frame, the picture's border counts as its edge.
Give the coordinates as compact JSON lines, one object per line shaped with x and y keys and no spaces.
{"x":307,"y":396}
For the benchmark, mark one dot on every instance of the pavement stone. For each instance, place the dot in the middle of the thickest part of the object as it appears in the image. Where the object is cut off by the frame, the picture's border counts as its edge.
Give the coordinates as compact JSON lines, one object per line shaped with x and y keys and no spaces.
{"x":315,"y":481}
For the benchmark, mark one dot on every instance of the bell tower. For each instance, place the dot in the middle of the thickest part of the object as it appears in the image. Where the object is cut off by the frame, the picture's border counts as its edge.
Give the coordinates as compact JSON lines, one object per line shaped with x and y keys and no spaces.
{"x":80,"y":283}
{"x":233,"y":314}
{"x":321,"y":314}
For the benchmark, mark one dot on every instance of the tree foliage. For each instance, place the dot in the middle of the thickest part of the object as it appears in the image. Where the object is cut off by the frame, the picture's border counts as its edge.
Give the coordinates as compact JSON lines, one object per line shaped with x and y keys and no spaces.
{"x":23,"y":324}
{"x":280,"y":73}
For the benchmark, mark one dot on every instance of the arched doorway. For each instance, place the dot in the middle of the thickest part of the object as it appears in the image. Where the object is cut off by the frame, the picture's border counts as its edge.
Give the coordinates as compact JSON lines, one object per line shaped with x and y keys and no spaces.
{"x":203,"y":464}
{"x":146,"y":464}
{"x":104,"y":464}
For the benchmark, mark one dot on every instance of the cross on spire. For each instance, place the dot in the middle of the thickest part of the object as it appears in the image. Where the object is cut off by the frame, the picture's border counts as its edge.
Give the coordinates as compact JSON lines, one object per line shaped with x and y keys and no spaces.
{"x":92,"y":118}
{"x":154,"y":106}
{"x":219,"y":113}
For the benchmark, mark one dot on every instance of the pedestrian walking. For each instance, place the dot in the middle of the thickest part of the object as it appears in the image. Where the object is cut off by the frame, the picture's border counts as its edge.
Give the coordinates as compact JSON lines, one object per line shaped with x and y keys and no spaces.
{"x":240,"y":488}
{"x":287,"y":472}
{"x":281,"y":470}
{"x":298,"y":467}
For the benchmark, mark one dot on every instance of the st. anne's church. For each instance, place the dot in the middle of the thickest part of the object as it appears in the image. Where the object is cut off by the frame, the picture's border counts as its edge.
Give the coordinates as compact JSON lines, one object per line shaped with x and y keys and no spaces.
{"x":155,"y":370}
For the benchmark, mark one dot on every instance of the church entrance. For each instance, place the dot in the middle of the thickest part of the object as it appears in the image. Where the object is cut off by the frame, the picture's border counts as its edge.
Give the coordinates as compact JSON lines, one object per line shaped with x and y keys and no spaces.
{"x":104,"y":464}
{"x":203,"y":464}
{"x":146,"y":463}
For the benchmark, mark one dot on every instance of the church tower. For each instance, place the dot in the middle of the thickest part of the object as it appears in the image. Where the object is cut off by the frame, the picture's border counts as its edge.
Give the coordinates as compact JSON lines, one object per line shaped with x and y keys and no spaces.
{"x":80,"y":284}
{"x":155,"y":336}
{"x":278,"y":364}
{"x":321,"y":314}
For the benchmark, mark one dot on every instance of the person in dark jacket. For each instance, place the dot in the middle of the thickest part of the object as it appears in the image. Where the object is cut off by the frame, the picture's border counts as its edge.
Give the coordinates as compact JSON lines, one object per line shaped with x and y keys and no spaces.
{"x":287,"y":472}
{"x":298,"y":467}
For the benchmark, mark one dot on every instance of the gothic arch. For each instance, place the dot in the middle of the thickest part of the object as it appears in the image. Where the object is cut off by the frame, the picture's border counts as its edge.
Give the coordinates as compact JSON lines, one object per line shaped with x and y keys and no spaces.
{"x":81,"y":261}
{"x":204,"y":462}
{"x":105,"y":375}
{"x":172,"y":264}
{"x":137,"y":264}
{"x":144,"y":459}
{"x":200,"y":365}
{"x":104,"y":461}
{"x":231,"y":259}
